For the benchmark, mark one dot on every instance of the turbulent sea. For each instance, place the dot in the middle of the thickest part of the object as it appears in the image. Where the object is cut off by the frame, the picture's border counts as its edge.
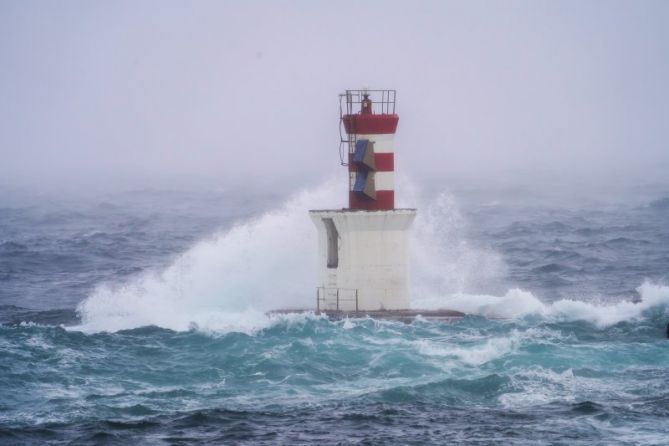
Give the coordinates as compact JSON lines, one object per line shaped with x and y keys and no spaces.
{"x":141,"y":318}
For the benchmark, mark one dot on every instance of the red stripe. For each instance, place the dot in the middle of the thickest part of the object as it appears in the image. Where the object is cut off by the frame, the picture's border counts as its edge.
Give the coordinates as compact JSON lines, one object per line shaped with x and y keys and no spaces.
{"x":385,"y":201}
{"x":370,"y":124}
{"x":385,"y":162}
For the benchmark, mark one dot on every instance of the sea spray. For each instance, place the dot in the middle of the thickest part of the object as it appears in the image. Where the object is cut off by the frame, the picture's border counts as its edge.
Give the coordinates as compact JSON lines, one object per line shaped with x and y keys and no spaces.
{"x":226,"y":282}
{"x":229,"y":281}
{"x":444,"y":258}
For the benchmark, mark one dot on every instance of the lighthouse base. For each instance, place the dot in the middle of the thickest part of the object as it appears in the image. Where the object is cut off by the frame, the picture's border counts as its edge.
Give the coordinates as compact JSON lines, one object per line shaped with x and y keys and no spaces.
{"x":363,"y":258}
{"x":406,"y":316}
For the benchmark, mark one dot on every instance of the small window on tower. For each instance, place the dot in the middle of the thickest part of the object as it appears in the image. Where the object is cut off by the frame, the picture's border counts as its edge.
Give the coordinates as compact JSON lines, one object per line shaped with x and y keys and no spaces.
{"x":333,"y":243}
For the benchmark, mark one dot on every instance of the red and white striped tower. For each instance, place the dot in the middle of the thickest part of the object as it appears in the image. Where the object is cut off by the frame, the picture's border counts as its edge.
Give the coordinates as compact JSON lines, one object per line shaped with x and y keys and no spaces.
{"x":363,"y":250}
{"x":371,"y":152}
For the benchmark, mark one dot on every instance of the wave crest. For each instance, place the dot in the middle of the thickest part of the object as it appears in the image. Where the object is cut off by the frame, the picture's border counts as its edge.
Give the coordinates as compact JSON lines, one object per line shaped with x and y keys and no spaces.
{"x":517,"y":303}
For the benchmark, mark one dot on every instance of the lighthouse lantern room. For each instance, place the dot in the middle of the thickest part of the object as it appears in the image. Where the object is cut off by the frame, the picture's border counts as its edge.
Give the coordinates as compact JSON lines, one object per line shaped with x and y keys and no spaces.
{"x":363,"y":249}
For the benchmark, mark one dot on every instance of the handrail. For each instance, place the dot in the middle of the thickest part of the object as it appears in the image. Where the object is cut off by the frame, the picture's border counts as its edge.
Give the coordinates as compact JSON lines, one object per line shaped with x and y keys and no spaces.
{"x":385,"y":98}
{"x":338,"y":299}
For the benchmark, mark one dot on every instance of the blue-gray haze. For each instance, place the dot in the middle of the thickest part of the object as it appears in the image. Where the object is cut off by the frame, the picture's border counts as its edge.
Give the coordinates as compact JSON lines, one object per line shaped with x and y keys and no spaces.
{"x":111,"y":94}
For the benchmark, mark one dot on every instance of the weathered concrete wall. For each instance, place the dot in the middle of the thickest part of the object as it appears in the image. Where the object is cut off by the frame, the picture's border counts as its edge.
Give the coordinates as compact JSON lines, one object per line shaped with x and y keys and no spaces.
{"x":373,"y":251}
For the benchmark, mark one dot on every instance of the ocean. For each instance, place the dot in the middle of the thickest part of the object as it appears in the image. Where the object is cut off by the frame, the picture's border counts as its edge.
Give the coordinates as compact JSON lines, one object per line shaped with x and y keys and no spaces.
{"x":141,"y":318}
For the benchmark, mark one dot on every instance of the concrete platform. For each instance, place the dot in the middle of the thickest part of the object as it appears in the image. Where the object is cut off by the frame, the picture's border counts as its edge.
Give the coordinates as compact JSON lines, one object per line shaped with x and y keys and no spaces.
{"x":406,"y":316}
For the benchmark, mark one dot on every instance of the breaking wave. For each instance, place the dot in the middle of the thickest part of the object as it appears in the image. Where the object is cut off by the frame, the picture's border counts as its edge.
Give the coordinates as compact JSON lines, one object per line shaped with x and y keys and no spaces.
{"x":223,"y":283}
{"x":517,"y":303}
{"x":229,"y":281}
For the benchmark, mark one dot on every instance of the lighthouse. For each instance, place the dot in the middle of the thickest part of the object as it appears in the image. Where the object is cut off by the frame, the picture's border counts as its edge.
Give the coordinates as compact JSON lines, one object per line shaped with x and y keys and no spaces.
{"x":363,"y":249}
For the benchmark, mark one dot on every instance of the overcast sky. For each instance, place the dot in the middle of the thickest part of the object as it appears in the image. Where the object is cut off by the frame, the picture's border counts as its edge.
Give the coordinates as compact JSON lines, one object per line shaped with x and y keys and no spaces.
{"x":142,"y":92}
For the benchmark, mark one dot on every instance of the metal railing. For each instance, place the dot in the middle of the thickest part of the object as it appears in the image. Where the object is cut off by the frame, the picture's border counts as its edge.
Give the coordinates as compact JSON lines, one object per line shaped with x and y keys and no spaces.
{"x":333,"y":299}
{"x":350,"y":103}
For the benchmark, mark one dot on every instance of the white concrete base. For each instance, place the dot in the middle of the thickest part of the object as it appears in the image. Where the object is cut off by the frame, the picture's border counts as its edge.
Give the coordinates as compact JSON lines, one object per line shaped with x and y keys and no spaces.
{"x":368,"y":252}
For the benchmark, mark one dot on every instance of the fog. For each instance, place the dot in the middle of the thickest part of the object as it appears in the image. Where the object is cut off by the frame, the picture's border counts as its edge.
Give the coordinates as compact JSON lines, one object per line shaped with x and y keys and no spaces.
{"x":168,"y":94}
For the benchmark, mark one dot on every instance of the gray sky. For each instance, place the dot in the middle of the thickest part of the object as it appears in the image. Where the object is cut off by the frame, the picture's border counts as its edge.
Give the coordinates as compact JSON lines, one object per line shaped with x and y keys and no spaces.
{"x":126,"y":93}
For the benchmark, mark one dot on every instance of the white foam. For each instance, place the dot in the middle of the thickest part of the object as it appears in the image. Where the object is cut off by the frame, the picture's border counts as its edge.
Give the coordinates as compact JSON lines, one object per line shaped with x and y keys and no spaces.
{"x":473,"y":355}
{"x":225,"y":283}
{"x":518,"y":303}
{"x":537,"y":386}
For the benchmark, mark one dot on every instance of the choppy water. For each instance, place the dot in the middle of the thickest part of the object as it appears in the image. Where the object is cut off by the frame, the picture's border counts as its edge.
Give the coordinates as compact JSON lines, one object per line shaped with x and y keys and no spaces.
{"x":141,"y":320}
